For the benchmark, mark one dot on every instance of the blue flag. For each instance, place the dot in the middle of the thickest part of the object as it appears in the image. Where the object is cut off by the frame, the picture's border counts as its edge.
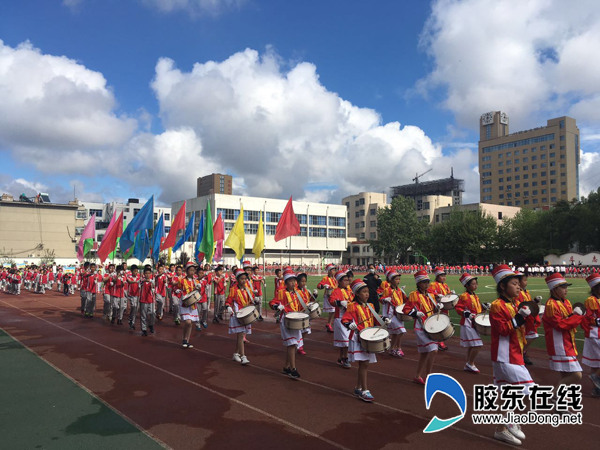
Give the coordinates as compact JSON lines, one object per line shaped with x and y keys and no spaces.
{"x":142,"y":246}
{"x":143,"y":220}
{"x":199,"y":238}
{"x":189,"y":231}
{"x":159,"y":234}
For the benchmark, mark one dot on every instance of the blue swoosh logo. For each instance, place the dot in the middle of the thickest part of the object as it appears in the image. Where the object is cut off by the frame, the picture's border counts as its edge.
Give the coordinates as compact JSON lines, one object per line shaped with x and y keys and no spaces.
{"x":445,"y":384}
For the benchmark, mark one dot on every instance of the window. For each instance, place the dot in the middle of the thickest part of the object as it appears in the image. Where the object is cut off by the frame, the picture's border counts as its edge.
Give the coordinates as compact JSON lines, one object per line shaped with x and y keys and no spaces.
{"x":155,"y":217}
{"x":487,"y":174}
{"x":551,"y":146}
{"x":167,"y":229}
{"x":362,"y":201}
{"x":517,"y":177}
{"x":98,"y":213}
{"x":563,"y":156}
{"x":318,"y":220}
{"x":361,"y":236}
{"x":553,"y":199}
{"x":486,"y":166}
{"x":487,"y":181}
{"x":270,"y":229}
{"x":488,"y":131}
{"x":517,"y":169}
{"x":509,"y":203}
{"x":543,"y":182}
{"x":445,"y":216}
{"x":517,"y":160}
{"x":500,"y":188}
{"x":525,"y":193}
{"x":337,"y":222}
{"x":563,"y":174}
{"x":544,"y":191}
{"x":525,"y":176}
{"x":563,"y":165}
{"x":524,"y":151}
{"x":543,"y":156}
{"x":337,"y":233}
{"x":501,"y":155}
{"x":272,"y":216}
{"x":534,"y":183}
{"x":222,"y":184}
{"x":486,"y":190}
{"x":78,"y":231}
{"x":561,"y":124}
{"x":81,"y":214}
{"x":487,"y":198}
{"x":251,"y":216}
{"x":357,"y":225}
{"x":303,"y":232}
{"x":562,"y":147}
{"x":229,"y":226}
{"x":534,"y":158}
{"x":509,"y":162}
{"x":355,"y":249}
{"x":533,"y":148}
{"x":525,"y":185}
{"x":517,"y":186}
{"x":500,"y":172}
{"x":250,"y":228}
{"x":542,"y":174}
{"x":552,"y":181}
{"x":500,"y":180}
{"x":356,"y":214}
{"x":553,"y":190}
{"x":517,"y":203}
{"x":318,"y":232}
{"x":508,"y":178}
{"x":535,"y":201}
{"x":373,"y":223}
{"x":525,"y":168}
{"x":553,"y":172}
{"x":534,"y":175}
{"x":508,"y":170}
{"x":229,"y":214}
{"x":517,"y":194}
{"x":167,"y":216}
{"x":356,"y":203}
{"x":563,"y":192}
{"x":562,"y":138}
{"x":372,"y":235}
{"x":526,"y":159}
{"x":347,"y":204}
{"x":563,"y":183}
{"x":526,"y":202}
{"x":500,"y":163}
{"x":486,"y":158}
{"x":519,"y":143}
{"x":302,"y":218}
{"x":516,"y":152}
{"x":373,"y":211}
{"x":508,"y":154}
{"x":534,"y":192}
{"x":362,"y":212}
{"x":552,"y":155}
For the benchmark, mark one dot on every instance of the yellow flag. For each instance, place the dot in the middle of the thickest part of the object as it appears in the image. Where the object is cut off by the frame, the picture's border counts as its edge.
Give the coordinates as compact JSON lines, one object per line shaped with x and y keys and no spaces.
{"x":237,"y":239}
{"x":259,"y":242}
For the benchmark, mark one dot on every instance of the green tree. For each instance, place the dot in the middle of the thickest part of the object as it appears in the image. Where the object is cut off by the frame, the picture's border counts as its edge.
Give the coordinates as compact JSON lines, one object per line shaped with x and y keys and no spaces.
{"x":398,"y":230}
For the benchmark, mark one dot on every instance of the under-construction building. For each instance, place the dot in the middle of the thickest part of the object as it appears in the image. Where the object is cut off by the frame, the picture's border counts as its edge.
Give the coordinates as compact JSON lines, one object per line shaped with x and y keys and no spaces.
{"x":445,"y":192}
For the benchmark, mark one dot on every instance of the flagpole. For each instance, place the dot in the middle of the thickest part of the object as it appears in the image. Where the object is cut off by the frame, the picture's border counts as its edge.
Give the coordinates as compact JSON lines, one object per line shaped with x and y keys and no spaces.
{"x":290,"y":254}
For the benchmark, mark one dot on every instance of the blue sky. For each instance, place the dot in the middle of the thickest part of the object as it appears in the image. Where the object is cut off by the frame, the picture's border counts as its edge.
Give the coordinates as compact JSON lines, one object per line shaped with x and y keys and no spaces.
{"x":366,"y":53}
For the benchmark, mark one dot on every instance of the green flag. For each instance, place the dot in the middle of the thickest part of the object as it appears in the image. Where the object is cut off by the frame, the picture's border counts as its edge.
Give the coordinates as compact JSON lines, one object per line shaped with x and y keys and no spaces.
{"x":114,"y":253}
{"x":207,"y":246}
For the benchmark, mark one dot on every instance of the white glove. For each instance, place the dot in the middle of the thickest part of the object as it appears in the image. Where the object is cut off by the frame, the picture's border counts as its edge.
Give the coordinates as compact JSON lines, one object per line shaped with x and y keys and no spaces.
{"x":315,"y":292}
{"x":525,"y":311}
{"x":453,"y":291}
{"x":538,"y":299}
{"x":440,"y":306}
{"x":280,"y":307}
{"x":486,"y":306}
{"x":326,"y":286}
{"x":229,"y":310}
{"x":577,"y":310}
{"x":386,"y":300}
{"x":255,"y":291}
{"x":353,"y":326}
{"x":387,"y":320}
{"x":256,"y":302}
{"x":420,"y":315}
{"x":344,"y":303}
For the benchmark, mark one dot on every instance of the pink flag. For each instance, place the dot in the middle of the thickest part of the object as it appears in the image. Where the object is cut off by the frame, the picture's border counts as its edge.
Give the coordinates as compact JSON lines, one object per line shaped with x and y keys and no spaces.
{"x":88,"y":235}
{"x":219,"y":237}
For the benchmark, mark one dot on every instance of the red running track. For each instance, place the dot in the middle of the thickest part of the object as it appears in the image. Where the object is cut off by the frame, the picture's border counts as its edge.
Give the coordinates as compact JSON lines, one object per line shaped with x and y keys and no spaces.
{"x":200,"y":398}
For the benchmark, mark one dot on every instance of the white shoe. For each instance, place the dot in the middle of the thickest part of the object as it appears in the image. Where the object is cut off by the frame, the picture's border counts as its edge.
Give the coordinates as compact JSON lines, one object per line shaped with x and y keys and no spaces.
{"x":515,"y":430}
{"x":506,"y":436}
{"x":236,"y":357}
{"x":471,"y":368}
{"x":245,"y":360}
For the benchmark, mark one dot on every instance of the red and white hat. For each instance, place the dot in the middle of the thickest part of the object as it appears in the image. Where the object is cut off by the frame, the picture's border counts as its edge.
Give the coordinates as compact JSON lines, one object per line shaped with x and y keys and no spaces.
{"x":391,"y":274}
{"x":288,"y":273}
{"x":465,"y":278}
{"x":421,"y":275}
{"x":357,"y":285}
{"x":239,"y":272}
{"x":246,"y":264}
{"x":593,"y":280}
{"x":439,"y":271}
{"x":556,"y":279}
{"x":329,"y":267}
{"x":340,"y":274}
{"x":189,"y":264}
{"x":501,"y":271}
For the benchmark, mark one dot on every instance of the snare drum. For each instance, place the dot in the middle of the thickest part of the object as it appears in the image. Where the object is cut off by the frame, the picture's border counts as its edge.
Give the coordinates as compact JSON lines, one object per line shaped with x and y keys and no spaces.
{"x":191,"y":298}
{"x":542,"y":309}
{"x":247,"y":315}
{"x":314,"y":310}
{"x":400,"y":315}
{"x":297,"y":321}
{"x":483,"y":324}
{"x":449,"y":301}
{"x":328,"y":292}
{"x":439,"y":327}
{"x":374,"y":339}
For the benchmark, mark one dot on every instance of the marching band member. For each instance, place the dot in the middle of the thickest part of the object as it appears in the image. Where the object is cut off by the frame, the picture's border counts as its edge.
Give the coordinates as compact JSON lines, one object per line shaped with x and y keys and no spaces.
{"x":420,"y":306}
{"x":177,"y":293}
{"x":560,"y":323}
{"x":439,"y":288}
{"x":532,"y":322}
{"x":328,"y":282}
{"x":307,"y":297}
{"x":201,"y":284}
{"x":147,"y":305}
{"x":219,"y":282}
{"x":93,"y":288}
{"x":189,"y":314}
{"x":591,"y":326}
{"x":287,"y":302}
{"x":279,"y":285}
{"x":468,"y":307}
{"x":170,"y":275}
{"x":239,"y":297}
{"x":258,"y":284}
{"x":161,"y":281}
{"x":393,"y":296}
{"x":356,"y":318}
{"x":119,"y":298}
{"x":107,"y":294}
{"x":508,"y":338}
{"x":340,"y":298}
{"x":133,"y":292}
{"x":81,"y":274}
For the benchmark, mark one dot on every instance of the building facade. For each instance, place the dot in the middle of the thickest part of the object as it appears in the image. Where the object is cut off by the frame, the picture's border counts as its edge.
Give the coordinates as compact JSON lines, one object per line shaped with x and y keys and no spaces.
{"x":322,"y":239}
{"x":362,"y":225}
{"x":216,"y":183}
{"x":31,"y":231}
{"x":423,"y":191}
{"x":531,"y":169}
{"x":440,"y":213}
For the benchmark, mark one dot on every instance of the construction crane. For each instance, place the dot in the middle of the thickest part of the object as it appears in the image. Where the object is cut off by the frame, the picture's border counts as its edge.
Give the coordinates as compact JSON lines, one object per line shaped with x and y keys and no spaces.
{"x":416,"y":178}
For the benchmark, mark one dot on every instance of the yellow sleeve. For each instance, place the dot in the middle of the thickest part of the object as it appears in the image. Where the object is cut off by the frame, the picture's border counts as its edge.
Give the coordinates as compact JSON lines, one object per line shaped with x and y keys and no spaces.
{"x":591,"y":303}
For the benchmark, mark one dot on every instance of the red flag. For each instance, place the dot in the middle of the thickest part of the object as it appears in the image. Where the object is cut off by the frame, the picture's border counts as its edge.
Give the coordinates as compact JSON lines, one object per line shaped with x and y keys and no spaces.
{"x":177,"y":224}
{"x":288,"y":224}
{"x":218,"y":229}
{"x":109,"y":242}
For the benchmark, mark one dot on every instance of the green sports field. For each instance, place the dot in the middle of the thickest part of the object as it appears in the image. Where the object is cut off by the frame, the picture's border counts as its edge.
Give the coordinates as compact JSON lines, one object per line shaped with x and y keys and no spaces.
{"x":578,"y":292}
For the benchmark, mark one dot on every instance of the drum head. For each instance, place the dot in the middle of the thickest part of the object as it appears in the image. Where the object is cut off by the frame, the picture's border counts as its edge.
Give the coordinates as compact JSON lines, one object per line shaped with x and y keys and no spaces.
{"x":533,"y":307}
{"x":437,"y":323}
{"x":449,"y":298}
{"x":581,"y":305}
{"x":374,"y":334}
{"x":296,"y":315}
{"x":483,"y":319}
{"x":246,"y":310}
{"x":313,"y":306}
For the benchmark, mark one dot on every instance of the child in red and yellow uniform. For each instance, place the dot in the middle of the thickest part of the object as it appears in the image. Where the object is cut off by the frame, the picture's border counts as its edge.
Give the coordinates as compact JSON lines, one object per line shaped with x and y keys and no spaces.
{"x":328,"y":283}
{"x":591,"y":326}
{"x":357,"y":317}
{"x":532,"y":322}
{"x":239,"y":297}
{"x":508,"y":338}
{"x":420,"y":306}
{"x":258,"y":284}
{"x":438,"y":289}
{"x":189,"y":314}
{"x":307,"y":298}
{"x":219,"y":282}
{"x":287,"y":302}
{"x":468,"y":307}
{"x":340,"y":298}
{"x":392,"y":296}
{"x":176,"y":294}
{"x":560,"y":323}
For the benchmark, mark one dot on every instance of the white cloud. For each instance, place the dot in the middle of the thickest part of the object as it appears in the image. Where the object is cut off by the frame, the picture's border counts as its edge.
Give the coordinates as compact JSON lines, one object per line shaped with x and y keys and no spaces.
{"x":73,"y":4}
{"x":57,"y":193}
{"x":283,"y":130}
{"x":195,"y":7}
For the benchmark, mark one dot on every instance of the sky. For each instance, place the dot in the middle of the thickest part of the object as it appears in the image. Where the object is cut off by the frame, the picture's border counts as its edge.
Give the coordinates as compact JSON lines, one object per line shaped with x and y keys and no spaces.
{"x":112,"y":99}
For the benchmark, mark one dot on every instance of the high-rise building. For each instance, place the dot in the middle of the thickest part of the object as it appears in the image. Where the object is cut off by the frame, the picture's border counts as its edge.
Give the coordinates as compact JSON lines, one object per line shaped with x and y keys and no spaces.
{"x":531,"y":169}
{"x":425,"y":192}
{"x":216,"y":183}
{"x":362,"y":225}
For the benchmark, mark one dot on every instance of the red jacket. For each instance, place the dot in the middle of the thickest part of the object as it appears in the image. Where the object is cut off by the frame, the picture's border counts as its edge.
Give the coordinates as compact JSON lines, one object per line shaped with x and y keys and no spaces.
{"x":592,"y":312}
{"x":360,"y":314}
{"x":238,"y":298}
{"x":146,"y":291}
{"x":468,"y":302}
{"x":339,"y":295}
{"x":288,"y":299}
{"x":507,"y":341}
{"x":531,"y":322}
{"x":560,"y":325}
